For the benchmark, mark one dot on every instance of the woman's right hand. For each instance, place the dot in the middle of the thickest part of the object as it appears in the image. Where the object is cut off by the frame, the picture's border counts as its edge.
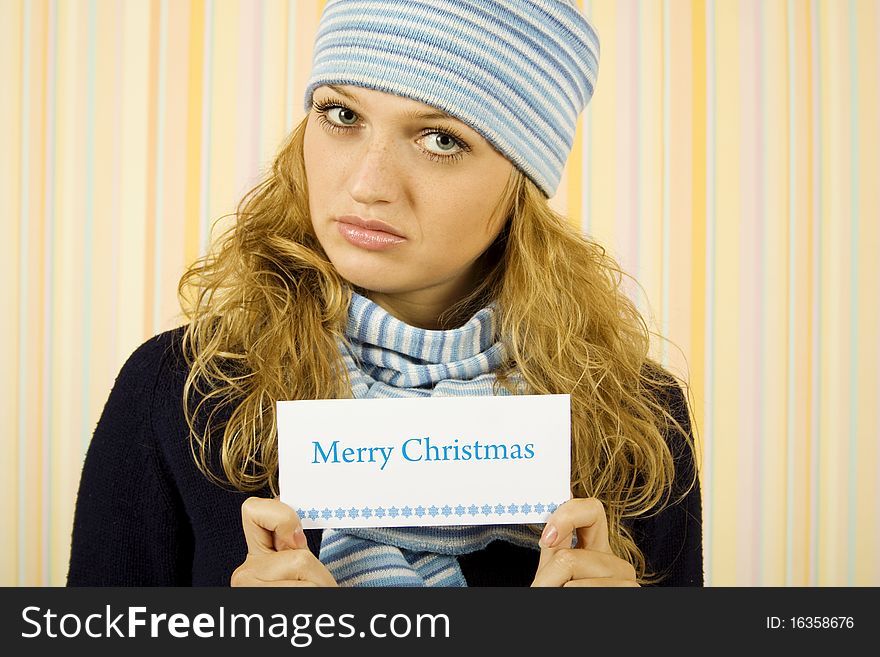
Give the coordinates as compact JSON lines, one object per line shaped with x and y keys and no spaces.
{"x":278,"y":554}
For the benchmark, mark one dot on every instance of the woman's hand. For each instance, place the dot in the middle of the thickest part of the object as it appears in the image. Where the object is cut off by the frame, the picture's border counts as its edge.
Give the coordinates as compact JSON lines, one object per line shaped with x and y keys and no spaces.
{"x":590,"y":562}
{"x":278,"y":554}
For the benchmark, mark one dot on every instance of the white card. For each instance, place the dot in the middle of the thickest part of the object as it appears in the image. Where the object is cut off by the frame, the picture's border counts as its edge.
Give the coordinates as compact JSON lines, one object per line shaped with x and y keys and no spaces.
{"x":423,"y":461}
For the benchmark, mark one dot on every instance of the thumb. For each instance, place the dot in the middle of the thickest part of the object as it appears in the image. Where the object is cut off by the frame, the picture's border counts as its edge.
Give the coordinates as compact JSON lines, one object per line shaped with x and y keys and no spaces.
{"x":270,"y":525}
{"x":551,"y":538}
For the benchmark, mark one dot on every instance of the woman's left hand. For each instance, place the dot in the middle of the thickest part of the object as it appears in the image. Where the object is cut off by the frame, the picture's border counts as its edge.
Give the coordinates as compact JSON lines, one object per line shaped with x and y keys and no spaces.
{"x":590,"y":562}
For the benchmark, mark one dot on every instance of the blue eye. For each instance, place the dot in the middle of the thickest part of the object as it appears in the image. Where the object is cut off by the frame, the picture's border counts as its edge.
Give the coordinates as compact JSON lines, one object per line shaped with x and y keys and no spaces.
{"x":345,"y":115}
{"x":338,"y":118}
{"x":445,"y":142}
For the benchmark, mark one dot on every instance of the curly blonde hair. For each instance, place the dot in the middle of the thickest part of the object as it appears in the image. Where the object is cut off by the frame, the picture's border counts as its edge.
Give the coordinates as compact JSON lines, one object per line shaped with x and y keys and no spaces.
{"x":266,"y":309}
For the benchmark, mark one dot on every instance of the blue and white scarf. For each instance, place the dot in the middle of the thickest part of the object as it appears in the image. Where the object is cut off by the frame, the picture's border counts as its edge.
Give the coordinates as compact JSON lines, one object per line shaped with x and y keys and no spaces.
{"x":389,"y":358}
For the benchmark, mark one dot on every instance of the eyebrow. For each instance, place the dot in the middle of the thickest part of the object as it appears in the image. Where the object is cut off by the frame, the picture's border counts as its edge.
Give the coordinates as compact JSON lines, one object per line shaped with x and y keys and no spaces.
{"x":412,"y":114}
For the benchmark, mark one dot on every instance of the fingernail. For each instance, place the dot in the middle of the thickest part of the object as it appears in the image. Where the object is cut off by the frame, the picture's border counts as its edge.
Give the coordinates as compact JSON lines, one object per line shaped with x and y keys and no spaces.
{"x":299,"y":538}
{"x":548,"y":538}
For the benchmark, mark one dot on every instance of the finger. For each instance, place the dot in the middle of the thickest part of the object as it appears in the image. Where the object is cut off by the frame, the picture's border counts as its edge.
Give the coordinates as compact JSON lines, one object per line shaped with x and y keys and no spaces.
{"x":281,"y":583}
{"x":249,"y":579}
{"x":602,"y":581}
{"x":292,"y":565}
{"x":276,"y":568}
{"x":270,"y":525}
{"x":586,"y":516}
{"x":565,"y":565}
{"x":547,"y":554}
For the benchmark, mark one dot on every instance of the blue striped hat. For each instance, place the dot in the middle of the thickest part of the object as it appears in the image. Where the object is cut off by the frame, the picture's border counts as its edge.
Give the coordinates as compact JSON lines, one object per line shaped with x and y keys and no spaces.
{"x":519,"y":72}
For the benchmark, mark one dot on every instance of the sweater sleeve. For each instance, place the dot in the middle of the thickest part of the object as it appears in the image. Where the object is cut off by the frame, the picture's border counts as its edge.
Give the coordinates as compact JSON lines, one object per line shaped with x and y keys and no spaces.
{"x":672,"y":539}
{"x":129,"y":529}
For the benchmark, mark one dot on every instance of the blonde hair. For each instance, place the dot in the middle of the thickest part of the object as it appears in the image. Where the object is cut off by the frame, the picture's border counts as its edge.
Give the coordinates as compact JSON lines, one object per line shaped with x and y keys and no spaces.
{"x":266,"y":309}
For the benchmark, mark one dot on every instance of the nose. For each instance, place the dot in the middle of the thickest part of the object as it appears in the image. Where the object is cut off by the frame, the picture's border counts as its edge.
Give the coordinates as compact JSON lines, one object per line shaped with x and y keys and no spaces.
{"x":375,"y":172}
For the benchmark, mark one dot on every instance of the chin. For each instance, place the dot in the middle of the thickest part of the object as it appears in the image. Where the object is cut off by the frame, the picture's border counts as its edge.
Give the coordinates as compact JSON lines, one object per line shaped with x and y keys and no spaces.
{"x":373,"y":281}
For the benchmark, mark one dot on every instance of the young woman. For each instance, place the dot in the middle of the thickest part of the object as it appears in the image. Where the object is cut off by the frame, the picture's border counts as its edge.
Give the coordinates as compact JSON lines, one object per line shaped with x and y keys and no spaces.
{"x":407,"y":212}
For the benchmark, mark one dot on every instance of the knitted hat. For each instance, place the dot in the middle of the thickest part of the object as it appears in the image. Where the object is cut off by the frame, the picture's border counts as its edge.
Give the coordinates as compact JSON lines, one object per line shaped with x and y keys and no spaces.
{"x":519,"y":72}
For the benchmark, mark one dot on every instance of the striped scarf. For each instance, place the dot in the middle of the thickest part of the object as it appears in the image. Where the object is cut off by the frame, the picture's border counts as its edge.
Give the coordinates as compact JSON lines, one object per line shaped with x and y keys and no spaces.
{"x":388,"y":358}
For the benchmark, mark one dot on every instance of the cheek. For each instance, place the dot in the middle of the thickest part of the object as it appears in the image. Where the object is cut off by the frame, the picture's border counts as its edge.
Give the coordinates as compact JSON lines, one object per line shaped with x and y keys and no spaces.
{"x":310,"y":161}
{"x":459,"y":234}
{"x":470,"y":213}
{"x":318,"y":165}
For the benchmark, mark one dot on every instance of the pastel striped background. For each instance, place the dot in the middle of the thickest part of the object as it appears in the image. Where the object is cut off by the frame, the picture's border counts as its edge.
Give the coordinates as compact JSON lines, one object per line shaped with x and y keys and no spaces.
{"x":729,"y":159}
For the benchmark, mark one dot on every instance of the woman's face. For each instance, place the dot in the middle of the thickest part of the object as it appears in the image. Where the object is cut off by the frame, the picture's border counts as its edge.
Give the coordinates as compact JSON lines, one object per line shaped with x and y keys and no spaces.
{"x":432,"y":182}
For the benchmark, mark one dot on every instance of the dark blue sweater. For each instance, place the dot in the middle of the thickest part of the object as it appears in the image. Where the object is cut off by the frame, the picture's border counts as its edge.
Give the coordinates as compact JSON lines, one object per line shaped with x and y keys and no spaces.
{"x":147,"y":516}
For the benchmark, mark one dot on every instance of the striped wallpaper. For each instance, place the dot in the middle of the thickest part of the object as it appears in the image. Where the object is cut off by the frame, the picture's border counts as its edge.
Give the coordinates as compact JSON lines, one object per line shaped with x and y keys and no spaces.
{"x":730,"y":159}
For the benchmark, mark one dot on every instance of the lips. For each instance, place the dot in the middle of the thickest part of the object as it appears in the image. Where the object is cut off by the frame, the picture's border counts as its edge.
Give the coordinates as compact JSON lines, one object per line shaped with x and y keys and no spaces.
{"x":370,"y":224}
{"x":368,"y":234}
